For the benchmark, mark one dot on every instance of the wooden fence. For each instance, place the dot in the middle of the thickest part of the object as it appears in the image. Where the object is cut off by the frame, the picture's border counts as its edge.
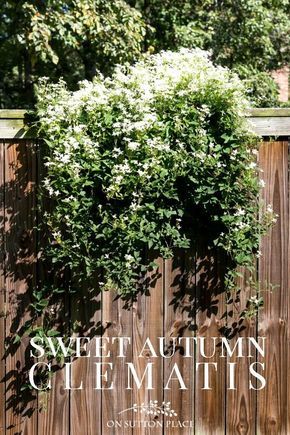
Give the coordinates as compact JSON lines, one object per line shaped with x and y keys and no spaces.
{"x":170,"y":311}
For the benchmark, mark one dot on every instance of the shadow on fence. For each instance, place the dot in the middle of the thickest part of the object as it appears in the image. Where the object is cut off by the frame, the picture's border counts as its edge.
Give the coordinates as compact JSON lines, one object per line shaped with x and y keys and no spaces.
{"x":197,"y":281}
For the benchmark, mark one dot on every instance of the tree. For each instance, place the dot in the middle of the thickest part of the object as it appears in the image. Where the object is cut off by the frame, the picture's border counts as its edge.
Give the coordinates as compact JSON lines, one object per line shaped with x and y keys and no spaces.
{"x":249,"y":36}
{"x":255,"y":32}
{"x":73,"y":39}
{"x":77,"y":39}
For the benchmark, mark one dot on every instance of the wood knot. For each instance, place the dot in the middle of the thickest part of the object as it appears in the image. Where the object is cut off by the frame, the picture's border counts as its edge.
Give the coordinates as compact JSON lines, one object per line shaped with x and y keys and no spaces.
{"x":242,"y":428}
{"x":282,"y":322}
{"x":272,"y":421}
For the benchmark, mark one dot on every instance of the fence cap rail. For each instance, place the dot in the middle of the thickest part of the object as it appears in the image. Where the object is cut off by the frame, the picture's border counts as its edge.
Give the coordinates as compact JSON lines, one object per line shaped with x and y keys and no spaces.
{"x":267,"y":122}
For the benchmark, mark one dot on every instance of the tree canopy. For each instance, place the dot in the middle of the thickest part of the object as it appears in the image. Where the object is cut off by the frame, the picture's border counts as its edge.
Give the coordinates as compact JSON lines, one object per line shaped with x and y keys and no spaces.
{"x":71,"y":39}
{"x":78,"y":39}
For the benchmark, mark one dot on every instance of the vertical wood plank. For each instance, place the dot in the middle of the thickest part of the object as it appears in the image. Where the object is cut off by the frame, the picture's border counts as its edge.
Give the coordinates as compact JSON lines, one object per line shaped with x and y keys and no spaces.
{"x":241,"y":401}
{"x":287,"y":290}
{"x":2,"y":293}
{"x":53,"y":419}
{"x":85,"y":404}
{"x":117,"y":322}
{"x":148,"y":323}
{"x":53,"y":404}
{"x":273,"y":320}
{"x":209,"y":403}
{"x":20,"y":268}
{"x":179,"y":299}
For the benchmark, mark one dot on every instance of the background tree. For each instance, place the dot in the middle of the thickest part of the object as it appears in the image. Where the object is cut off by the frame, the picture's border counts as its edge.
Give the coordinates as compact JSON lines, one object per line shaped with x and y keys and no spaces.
{"x":75,"y":39}
{"x":249,"y":36}
{"x":71,"y":39}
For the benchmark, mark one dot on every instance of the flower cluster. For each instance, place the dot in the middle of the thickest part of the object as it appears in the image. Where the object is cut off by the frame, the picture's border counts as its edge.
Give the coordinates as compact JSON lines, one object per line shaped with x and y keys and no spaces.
{"x":154,"y":157}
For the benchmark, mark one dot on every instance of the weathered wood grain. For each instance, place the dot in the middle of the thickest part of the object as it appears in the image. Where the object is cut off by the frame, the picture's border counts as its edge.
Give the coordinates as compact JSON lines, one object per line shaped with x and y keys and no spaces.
{"x":271,"y":126}
{"x":209,"y":403}
{"x":117,"y":322}
{"x":265,"y":122}
{"x":54,"y":404}
{"x":241,"y":401}
{"x":85,"y":403}
{"x":148,"y":323}
{"x":270,"y":111}
{"x":287,"y":297}
{"x":53,"y":418}
{"x":178,"y":301}
{"x":2,"y":292}
{"x":272,"y":408}
{"x":20,"y":273}
{"x":12,"y":113}
{"x":168,"y":311}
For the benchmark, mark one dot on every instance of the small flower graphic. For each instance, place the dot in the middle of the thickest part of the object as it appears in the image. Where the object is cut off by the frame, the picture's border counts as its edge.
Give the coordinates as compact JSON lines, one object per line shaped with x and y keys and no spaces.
{"x":153,"y":409}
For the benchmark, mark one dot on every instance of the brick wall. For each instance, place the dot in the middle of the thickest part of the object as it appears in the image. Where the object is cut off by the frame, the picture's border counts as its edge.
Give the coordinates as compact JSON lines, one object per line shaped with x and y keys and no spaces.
{"x":281,"y":77}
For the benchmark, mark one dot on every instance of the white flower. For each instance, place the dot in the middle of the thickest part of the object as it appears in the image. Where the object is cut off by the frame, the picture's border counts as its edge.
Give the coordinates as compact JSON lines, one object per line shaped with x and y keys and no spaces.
{"x":79,"y":128}
{"x":259,"y":254}
{"x":134,"y":205}
{"x":262,"y":183}
{"x":133,"y":145}
{"x":50,"y":191}
{"x":123,"y":168}
{"x":269,"y":208}
{"x":233,"y":155}
{"x":240,"y":212}
{"x":56,"y":234}
{"x":255,"y":300}
{"x":252,"y":165}
{"x":63,"y":158}
{"x":241,"y":225}
{"x":116,"y":152}
{"x":119,"y":179}
{"x":46,"y":182}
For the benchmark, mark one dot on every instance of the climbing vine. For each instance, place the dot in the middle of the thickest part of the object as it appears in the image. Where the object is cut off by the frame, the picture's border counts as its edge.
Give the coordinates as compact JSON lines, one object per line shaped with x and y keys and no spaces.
{"x":151,"y":158}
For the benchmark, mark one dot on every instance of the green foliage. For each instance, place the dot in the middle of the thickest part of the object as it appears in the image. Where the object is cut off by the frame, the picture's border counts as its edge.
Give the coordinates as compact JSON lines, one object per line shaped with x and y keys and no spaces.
{"x":261,"y":89}
{"x":70,"y":39}
{"x":153,"y":158}
{"x":251,"y":32}
{"x":78,"y":39}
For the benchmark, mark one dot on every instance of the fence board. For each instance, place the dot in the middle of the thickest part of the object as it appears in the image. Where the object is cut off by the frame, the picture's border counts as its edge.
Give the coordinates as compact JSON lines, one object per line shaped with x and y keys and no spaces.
{"x":52,"y":419}
{"x":273,"y":321}
{"x":148,"y":322}
{"x":85,"y":404}
{"x":241,"y":408}
{"x":209,"y":403}
{"x":117,"y":322}
{"x":168,"y":311}
{"x":20,"y":273}
{"x":2,"y":293}
{"x":178,"y":299}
